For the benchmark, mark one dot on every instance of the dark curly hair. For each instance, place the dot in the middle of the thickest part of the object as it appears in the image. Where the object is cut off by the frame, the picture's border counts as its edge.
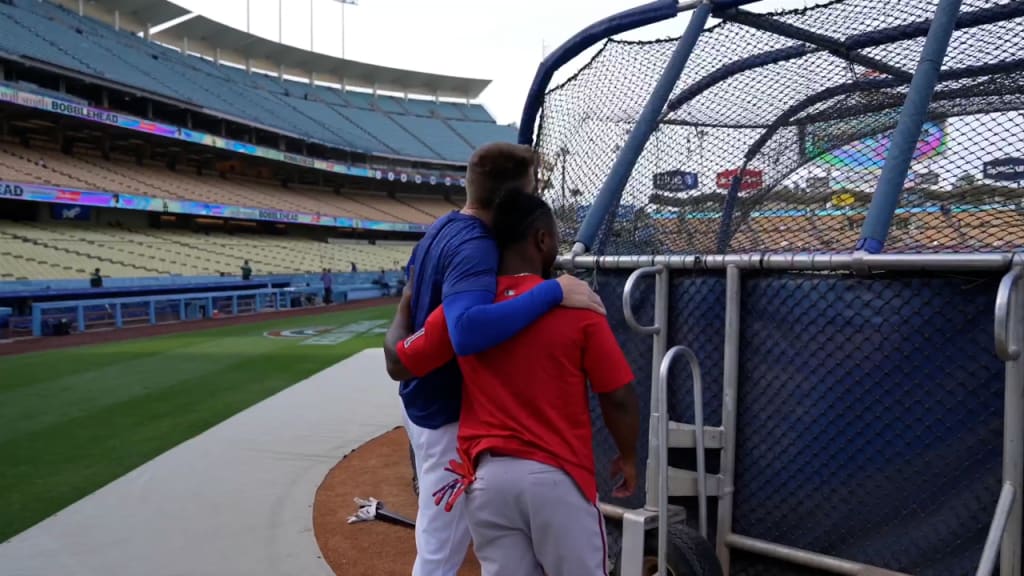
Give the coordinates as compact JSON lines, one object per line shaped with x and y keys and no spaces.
{"x":518,"y":213}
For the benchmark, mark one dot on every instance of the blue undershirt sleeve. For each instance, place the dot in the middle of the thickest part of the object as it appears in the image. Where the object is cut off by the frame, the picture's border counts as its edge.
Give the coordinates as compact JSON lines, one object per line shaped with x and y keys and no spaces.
{"x":476,"y":323}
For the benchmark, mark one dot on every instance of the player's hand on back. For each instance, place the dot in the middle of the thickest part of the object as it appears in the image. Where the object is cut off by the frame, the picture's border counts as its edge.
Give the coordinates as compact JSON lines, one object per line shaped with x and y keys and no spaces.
{"x":407,"y":290}
{"x":577,"y":294}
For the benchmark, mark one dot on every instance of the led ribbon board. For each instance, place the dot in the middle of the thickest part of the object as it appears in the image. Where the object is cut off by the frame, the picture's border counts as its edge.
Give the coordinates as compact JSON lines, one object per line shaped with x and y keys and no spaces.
{"x":73,"y":197}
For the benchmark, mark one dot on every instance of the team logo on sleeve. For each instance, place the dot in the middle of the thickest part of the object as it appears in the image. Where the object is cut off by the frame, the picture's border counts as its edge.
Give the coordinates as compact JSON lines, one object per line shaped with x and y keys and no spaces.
{"x":409,"y":341}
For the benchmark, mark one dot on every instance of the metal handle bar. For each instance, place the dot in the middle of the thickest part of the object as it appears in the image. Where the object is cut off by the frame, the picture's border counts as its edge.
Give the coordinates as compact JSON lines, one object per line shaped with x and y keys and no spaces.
{"x":627,"y":304}
{"x":698,"y":417}
{"x":1006,"y":345}
{"x":995,"y":532}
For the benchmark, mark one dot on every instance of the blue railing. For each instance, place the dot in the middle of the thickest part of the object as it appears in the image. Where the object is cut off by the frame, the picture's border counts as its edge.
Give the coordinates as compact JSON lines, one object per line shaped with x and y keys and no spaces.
{"x":151,"y":309}
{"x":80,"y":315}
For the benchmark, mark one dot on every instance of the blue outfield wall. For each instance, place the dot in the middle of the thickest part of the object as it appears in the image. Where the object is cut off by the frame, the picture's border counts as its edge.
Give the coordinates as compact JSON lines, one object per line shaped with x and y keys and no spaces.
{"x":35,"y":288}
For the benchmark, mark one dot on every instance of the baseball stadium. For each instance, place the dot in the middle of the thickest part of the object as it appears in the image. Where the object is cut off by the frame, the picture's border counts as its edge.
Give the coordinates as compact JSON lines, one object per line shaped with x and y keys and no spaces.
{"x":804,"y":224}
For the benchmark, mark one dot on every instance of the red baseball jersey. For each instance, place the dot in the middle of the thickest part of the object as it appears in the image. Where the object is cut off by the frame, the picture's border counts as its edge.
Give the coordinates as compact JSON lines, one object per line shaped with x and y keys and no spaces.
{"x":527,"y":398}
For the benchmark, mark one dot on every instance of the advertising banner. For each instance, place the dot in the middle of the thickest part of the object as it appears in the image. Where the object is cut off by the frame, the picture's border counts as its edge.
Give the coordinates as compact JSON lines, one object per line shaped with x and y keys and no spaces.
{"x":752,"y":179}
{"x":78,"y":110}
{"x":1008,"y":169}
{"x":69,"y":198}
{"x":675,"y":181}
{"x":66,"y":212}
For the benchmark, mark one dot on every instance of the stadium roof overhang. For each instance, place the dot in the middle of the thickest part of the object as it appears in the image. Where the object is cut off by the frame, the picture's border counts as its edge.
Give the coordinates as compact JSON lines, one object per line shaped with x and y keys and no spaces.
{"x":349,"y":72}
{"x":143,"y":11}
{"x":208,"y":36}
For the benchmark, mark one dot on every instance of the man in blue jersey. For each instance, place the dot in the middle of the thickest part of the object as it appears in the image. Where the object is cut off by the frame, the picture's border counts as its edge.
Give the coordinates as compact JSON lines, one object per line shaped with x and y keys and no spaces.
{"x":456,"y":264}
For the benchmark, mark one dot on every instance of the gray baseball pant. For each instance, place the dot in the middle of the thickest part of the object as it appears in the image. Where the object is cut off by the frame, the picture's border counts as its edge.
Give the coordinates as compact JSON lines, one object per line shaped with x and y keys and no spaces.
{"x":530,"y":519}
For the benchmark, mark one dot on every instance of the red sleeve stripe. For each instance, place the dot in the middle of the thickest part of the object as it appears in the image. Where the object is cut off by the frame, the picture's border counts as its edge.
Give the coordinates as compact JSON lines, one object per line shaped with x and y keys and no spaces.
{"x":408,"y":341}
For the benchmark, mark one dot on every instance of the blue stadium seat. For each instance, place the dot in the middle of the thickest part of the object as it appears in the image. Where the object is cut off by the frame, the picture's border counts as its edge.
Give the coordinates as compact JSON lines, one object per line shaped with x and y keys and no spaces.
{"x":478,"y":113}
{"x":359,"y":99}
{"x":380,"y":126}
{"x":19,"y":39}
{"x":390,"y":104}
{"x":437,"y":136}
{"x":450,"y":111}
{"x":480,"y":133}
{"x":354,"y":119}
{"x":330,"y":95}
{"x":419,"y":107}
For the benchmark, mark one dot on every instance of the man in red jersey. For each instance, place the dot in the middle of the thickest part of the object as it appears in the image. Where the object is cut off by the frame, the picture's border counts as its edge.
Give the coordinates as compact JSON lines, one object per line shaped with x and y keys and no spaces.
{"x":524,"y":436}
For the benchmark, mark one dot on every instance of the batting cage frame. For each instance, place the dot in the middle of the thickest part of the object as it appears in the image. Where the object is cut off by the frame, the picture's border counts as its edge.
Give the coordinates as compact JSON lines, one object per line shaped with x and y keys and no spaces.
{"x":853,"y":411}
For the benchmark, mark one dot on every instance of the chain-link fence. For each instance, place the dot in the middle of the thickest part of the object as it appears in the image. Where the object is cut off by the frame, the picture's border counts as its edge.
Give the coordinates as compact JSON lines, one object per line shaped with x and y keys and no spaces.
{"x":810,"y":128}
{"x":870,"y":410}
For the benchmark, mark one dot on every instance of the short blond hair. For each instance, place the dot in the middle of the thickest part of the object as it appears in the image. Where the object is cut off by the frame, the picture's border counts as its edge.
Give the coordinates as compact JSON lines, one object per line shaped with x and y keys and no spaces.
{"x":496,"y":167}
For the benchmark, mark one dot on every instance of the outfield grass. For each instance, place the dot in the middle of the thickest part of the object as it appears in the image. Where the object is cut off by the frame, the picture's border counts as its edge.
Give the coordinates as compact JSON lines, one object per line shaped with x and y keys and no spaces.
{"x":73,"y":420}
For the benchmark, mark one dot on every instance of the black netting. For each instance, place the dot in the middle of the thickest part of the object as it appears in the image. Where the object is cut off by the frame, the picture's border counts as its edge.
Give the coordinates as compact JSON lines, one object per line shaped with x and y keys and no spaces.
{"x":870,"y":411}
{"x":815,"y":128}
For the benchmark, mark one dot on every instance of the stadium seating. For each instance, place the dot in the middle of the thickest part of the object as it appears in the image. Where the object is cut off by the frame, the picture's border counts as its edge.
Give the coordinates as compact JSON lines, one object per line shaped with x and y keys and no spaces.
{"x":353,"y":120}
{"x":65,"y":250}
{"x":48,"y":166}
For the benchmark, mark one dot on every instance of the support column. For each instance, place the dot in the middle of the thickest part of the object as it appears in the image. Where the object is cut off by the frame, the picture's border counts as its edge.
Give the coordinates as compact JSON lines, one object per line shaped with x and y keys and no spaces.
{"x":611,"y":191}
{"x":908,"y":130}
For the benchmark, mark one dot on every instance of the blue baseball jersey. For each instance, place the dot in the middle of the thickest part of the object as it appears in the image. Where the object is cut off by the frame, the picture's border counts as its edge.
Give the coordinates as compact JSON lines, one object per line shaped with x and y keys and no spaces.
{"x":457,"y":254}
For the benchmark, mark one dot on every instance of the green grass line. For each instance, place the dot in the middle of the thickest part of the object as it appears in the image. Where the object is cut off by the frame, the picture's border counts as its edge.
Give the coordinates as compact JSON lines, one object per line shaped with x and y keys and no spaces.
{"x":73,"y":420}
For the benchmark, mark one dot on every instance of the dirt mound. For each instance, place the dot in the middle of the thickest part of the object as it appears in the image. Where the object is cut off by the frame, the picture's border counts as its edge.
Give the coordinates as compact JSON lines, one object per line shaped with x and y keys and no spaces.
{"x":379,"y":469}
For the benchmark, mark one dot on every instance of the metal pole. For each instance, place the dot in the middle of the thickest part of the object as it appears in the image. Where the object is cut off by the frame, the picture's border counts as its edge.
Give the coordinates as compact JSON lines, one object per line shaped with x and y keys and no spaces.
{"x":611,"y":191}
{"x":635,"y":523}
{"x":819,"y":562}
{"x":908,"y":131}
{"x":248,"y":20}
{"x":730,"y":389}
{"x":1013,"y":431}
{"x":311,"y":26}
{"x":944,"y":262}
{"x":631,"y":19}
{"x":280,"y":22}
{"x":995,"y":532}
{"x":698,"y":417}
{"x":343,"y":30}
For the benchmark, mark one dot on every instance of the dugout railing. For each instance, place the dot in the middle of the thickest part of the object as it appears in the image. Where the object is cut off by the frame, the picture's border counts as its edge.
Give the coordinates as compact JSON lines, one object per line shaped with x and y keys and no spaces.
{"x":844,"y":411}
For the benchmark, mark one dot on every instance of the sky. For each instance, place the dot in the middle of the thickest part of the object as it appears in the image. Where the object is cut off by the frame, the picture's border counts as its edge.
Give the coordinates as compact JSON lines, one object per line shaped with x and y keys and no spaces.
{"x":499,"y":40}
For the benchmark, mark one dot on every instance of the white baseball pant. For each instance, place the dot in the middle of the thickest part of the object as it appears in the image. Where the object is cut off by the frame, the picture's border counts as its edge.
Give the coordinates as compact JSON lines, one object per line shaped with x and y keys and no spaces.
{"x":442,"y":538}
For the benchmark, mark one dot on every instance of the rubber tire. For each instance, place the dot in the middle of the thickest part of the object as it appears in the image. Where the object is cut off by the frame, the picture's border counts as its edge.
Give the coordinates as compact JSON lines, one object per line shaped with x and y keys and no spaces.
{"x":688,"y":554}
{"x":415,"y":479}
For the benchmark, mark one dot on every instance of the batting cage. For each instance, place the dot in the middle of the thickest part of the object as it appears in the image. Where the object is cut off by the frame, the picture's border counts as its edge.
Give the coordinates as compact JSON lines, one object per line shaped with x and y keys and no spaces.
{"x":803,"y":225}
